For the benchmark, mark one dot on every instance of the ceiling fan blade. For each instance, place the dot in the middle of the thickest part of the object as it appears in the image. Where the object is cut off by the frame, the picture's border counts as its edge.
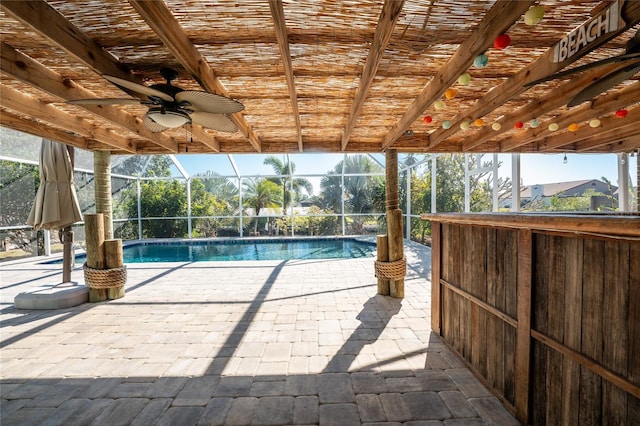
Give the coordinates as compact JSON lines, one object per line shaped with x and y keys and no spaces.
{"x":585,"y":67}
{"x":218,"y":122}
{"x":152,"y":126}
{"x":105,"y":101}
{"x":209,"y":102}
{"x":604,"y":84}
{"x":138,"y":88}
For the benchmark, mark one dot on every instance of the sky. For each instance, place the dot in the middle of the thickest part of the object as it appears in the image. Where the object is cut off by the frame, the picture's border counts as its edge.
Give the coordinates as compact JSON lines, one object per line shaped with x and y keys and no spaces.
{"x":535,"y":168}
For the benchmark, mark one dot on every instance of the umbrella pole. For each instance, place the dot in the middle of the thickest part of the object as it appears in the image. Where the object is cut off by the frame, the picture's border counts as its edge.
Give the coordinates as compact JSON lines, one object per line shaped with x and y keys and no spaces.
{"x":67,"y":249}
{"x":67,"y":235}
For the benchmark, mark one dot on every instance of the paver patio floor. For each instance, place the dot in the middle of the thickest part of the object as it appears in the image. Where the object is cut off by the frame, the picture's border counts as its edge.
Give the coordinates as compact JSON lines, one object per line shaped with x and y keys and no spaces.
{"x":262,"y":343}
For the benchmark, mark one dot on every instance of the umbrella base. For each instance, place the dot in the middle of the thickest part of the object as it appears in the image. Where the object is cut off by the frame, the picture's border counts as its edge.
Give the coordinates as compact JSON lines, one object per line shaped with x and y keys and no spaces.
{"x":59,"y":296}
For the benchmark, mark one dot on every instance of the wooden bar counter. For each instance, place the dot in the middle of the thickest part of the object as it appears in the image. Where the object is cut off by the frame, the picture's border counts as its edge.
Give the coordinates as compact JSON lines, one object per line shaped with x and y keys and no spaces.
{"x":545,"y":310}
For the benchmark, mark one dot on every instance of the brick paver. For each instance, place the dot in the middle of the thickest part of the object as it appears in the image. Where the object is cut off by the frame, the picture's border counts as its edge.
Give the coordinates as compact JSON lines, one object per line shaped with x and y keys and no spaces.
{"x":296,"y":342}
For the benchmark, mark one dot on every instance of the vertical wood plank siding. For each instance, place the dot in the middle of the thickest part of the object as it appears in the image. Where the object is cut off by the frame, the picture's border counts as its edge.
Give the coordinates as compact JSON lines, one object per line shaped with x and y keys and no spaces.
{"x":549,"y":320}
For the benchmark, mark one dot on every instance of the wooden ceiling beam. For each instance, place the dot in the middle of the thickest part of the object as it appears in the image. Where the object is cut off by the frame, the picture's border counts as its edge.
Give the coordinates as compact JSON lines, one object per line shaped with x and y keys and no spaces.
{"x":50,"y":24}
{"x":611,"y":129}
{"x":157,"y":15}
{"x":28,"y":105}
{"x":496,"y":21}
{"x":277,"y":14}
{"x":600,"y":106}
{"x":630,"y":144}
{"x":540,"y":68}
{"x":16,"y":122}
{"x":553,"y":99}
{"x":582,"y":140}
{"x":26,"y":69}
{"x":415,"y":39}
{"x":596,"y":143}
{"x":386,"y":23}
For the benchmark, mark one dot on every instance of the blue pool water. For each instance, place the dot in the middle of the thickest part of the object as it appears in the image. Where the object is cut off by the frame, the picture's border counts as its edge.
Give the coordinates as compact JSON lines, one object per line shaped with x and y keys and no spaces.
{"x":250,"y":249}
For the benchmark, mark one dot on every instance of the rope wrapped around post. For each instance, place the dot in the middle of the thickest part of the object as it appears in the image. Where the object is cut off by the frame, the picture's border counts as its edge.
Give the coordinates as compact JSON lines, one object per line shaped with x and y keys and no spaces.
{"x":105,"y":278}
{"x":395,"y":270}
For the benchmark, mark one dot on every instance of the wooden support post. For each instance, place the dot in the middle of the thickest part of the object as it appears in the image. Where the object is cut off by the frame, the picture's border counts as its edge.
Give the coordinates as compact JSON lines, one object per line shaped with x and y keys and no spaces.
{"x":94,"y":237}
{"x":102,"y":183}
{"x":114,"y":259}
{"x":391,"y":177}
{"x":394,"y":219}
{"x":523,"y":330}
{"x":396,"y":249}
{"x":436,"y":262}
{"x":383,"y":256}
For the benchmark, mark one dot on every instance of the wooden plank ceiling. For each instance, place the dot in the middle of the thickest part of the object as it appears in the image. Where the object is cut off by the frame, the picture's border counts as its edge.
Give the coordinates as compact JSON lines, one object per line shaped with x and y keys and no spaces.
{"x":320,"y":75}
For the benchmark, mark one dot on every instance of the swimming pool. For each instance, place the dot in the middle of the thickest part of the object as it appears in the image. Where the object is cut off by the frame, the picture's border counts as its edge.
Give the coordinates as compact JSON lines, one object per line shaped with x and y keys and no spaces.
{"x":246,"y":249}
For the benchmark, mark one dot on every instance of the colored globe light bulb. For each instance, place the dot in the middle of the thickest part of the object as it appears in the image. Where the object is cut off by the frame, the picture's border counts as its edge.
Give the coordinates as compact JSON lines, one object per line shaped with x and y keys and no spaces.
{"x":478,"y":122}
{"x":502,"y":41}
{"x":573,"y":127}
{"x":446,"y":124}
{"x":553,"y":127}
{"x":481,"y":61}
{"x":464,"y":79}
{"x":428,"y":119}
{"x":518,"y":125}
{"x":439,"y":104}
{"x":594,"y":123}
{"x":464,"y":125}
{"x":450,"y":93}
{"x":534,"y":15}
{"x":496,"y":126}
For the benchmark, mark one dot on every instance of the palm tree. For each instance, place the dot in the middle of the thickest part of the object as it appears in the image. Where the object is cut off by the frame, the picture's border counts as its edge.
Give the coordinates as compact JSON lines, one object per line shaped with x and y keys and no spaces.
{"x":261,"y":193}
{"x":362,"y":194}
{"x":282,"y":168}
{"x":223,"y":188}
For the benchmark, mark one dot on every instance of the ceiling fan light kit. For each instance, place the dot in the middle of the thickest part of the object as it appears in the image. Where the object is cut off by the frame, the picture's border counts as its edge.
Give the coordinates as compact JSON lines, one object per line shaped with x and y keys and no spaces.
{"x":169,"y":119}
{"x":171,"y":107}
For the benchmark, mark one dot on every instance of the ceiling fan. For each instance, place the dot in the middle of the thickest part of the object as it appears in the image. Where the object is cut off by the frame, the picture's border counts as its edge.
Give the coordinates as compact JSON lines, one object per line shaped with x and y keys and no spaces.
{"x":630,"y":56}
{"x":171,"y":107}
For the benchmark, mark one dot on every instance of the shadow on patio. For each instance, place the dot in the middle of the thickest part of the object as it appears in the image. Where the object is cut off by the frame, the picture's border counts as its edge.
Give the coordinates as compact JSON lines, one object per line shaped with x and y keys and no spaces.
{"x":298,"y":342}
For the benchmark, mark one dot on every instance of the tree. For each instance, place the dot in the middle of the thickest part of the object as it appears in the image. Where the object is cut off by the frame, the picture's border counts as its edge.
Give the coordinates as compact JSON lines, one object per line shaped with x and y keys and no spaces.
{"x":205,"y":206}
{"x":222,"y":188}
{"x":144,"y":166}
{"x":282,"y":168}
{"x":166,"y":202}
{"x":362,"y":194}
{"x":259,"y":194}
{"x":18,"y":186}
{"x":559,"y":202}
{"x":450,"y":189}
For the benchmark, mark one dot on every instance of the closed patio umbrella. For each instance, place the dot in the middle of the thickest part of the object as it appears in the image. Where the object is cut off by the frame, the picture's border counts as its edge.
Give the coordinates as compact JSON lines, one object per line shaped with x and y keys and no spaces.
{"x":56,"y":204}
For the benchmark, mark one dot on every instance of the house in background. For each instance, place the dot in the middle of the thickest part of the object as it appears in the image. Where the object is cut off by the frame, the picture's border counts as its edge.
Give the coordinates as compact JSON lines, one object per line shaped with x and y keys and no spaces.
{"x":542,"y":193}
